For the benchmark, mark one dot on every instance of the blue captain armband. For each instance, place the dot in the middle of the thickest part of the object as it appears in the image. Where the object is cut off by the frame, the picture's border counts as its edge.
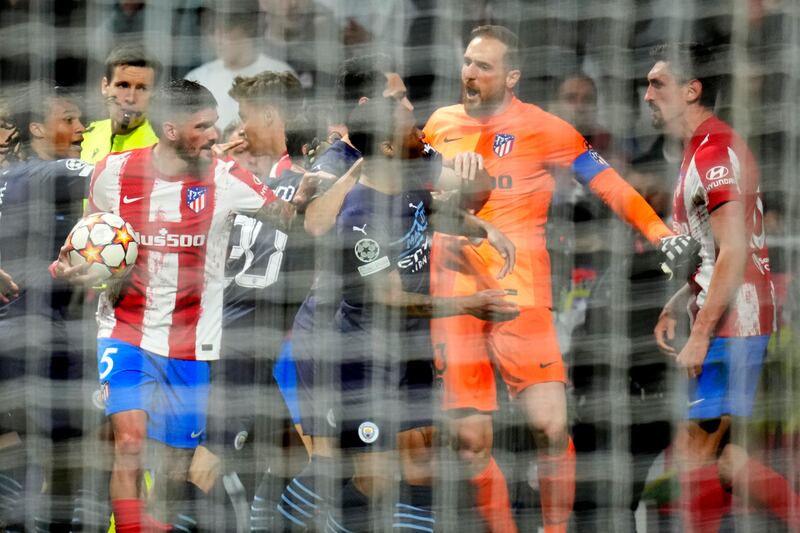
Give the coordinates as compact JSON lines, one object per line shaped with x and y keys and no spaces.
{"x":588,"y":165}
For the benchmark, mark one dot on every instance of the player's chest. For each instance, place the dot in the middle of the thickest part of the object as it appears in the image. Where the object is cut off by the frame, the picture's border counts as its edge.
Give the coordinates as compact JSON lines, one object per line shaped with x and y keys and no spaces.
{"x":510,"y":156}
{"x":169,"y":207}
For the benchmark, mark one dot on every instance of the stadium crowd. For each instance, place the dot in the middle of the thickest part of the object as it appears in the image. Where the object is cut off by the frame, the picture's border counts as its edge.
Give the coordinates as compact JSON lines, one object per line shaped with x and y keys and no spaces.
{"x":373,"y":293}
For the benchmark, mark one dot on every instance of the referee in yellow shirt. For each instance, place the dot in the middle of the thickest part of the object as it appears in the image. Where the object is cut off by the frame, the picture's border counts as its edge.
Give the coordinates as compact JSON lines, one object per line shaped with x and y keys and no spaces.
{"x":129,"y":81}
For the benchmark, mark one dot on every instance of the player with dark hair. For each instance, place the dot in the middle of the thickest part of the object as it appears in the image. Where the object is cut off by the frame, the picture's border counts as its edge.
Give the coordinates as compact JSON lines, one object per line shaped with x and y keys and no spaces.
{"x":519,"y":143}
{"x":162,"y":326}
{"x":130,"y":78}
{"x":40,"y":201}
{"x":360,"y":79}
{"x":379,"y":358}
{"x":730,"y":296}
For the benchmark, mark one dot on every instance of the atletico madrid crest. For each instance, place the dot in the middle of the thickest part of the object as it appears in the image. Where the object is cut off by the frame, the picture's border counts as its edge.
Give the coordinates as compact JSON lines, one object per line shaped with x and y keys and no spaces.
{"x":503,"y":143}
{"x":196,"y":198}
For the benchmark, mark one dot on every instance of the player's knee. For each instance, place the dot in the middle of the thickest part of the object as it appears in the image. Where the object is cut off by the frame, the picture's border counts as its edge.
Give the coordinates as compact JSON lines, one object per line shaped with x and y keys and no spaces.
{"x":473,"y":443}
{"x":551,"y":433}
{"x":731,"y":460}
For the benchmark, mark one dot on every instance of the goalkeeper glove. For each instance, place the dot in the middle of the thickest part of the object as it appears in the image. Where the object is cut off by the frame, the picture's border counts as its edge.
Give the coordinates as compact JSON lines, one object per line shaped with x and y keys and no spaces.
{"x":680,"y":252}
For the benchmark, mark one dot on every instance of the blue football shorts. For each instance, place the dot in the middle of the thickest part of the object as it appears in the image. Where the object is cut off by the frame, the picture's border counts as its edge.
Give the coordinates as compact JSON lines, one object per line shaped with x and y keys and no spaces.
{"x":173,"y":392}
{"x":727,"y":384}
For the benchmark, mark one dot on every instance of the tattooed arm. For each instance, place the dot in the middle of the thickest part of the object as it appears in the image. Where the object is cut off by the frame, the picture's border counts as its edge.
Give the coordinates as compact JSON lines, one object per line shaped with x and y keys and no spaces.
{"x":282,"y":214}
{"x":278,"y":213}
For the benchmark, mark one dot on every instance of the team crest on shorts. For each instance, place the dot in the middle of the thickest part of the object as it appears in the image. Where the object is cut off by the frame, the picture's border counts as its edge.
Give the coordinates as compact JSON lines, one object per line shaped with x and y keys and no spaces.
{"x":196,"y":198}
{"x":367,"y":250}
{"x":100,"y":396}
{"x":503,"y":143}
{"x":368,"y":432}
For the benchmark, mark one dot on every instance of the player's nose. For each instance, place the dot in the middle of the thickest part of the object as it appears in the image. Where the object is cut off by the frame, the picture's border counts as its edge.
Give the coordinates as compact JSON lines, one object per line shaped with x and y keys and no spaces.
{"x":127,"y":96}
{"x":468,"y":72}
{"x":648,"y":94}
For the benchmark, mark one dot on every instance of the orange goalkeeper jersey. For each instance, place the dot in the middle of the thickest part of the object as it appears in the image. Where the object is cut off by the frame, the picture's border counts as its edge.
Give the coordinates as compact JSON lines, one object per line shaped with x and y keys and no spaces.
{"x":520,"y":146}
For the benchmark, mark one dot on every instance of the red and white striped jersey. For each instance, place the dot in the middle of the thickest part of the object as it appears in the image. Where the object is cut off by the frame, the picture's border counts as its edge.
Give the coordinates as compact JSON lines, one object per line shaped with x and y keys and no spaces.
{"x":171,"y":304}
{"x":718,"y":168}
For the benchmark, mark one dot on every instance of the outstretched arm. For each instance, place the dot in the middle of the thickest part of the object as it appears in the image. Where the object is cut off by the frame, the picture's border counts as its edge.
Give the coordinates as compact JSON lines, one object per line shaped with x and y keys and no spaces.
{"x":629,"y":205}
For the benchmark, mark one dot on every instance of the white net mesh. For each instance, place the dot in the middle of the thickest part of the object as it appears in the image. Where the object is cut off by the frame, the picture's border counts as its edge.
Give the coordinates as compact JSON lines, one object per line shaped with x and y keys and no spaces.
{"x":586,"y":61}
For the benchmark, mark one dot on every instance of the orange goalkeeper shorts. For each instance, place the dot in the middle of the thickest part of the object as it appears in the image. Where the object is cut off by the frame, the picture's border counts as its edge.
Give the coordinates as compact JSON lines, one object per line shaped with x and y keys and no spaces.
{"x":466,"y":349}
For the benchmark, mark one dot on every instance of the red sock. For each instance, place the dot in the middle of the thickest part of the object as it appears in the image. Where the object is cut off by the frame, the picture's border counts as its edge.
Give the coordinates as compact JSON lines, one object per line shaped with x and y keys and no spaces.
{"x":704,"y":501}
{"x":771,"y":490}
{"x":130,"y":517}
{"x":491,"y":495}
{"x":127,"y":515}
{"x":557,"y":488}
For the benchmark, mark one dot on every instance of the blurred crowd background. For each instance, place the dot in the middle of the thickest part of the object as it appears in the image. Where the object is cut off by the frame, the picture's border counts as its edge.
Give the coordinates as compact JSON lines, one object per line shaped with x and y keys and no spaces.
{"x":585,"y":60}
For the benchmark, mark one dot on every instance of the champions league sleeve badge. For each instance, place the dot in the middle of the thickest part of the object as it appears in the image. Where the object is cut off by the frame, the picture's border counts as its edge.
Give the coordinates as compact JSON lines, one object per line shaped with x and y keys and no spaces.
{"x":367,"y":250}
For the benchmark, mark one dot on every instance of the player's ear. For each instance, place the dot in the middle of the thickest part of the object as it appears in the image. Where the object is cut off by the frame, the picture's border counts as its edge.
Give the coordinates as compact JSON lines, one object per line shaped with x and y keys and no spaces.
{"x":693,"y":90}
{"x":170,"y":131}
{"x":36,"y":129}
{"x":512,"y":78}
{"x":104,"y":86}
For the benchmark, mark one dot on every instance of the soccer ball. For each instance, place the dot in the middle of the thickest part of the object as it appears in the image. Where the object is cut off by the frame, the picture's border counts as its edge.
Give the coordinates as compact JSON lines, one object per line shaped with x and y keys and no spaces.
{"x":106,"y":242}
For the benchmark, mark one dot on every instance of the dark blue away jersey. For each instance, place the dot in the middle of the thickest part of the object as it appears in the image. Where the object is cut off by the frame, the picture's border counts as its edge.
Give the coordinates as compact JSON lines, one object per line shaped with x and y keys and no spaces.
{"x":265,"y":263}
{"x":337,"y":160}
{"x":40,"y":202}
{"x":378,"y":234}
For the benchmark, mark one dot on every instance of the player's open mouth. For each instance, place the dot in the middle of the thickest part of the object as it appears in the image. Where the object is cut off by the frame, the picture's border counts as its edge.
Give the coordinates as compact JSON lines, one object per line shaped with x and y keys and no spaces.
{"x":471,"y":93}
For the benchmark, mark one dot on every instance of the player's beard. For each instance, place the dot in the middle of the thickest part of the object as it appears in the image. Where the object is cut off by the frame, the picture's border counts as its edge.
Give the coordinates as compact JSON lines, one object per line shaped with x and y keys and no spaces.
{"x":197,"y":159}
{"x":485,"y":104}
{"x":656,"y":118}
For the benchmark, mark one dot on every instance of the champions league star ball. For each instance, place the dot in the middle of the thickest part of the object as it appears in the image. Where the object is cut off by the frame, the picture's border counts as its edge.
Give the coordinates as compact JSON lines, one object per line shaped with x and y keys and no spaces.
{"x":106,"y":242}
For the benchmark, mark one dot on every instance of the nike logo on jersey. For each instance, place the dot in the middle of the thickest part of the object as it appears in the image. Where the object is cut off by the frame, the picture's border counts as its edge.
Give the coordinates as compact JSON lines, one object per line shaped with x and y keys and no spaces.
{"x":362,"y":229}
{"x":454,"y":139}
{"x":545,"y":365}
{"x":196,"y":434}
{"x":126,"y":200}
{"x":691,"y":404}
